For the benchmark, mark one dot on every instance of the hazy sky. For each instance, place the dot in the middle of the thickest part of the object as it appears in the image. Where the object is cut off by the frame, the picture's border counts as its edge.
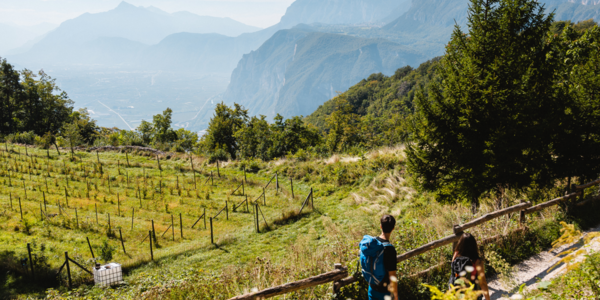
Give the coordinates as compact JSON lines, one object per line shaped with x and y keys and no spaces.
{"x":261,"y":13}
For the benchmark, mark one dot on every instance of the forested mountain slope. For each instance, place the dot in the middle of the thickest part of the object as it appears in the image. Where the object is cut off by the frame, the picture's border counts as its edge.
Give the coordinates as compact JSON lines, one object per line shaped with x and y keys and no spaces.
{"x":379,"y":105}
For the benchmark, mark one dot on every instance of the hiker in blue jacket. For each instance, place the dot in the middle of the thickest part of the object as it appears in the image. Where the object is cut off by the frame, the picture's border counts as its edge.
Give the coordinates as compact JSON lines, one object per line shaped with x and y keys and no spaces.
{"x":378,"y":261}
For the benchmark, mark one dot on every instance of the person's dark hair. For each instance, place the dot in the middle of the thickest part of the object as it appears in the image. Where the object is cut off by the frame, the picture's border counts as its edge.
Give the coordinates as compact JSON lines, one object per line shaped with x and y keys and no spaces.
{"x":388,"y":223}
{"x":467,"y":246}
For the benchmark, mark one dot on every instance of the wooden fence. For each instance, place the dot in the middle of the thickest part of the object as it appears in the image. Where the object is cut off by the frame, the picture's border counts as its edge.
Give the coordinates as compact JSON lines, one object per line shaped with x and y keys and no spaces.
{"x":340,"y":277}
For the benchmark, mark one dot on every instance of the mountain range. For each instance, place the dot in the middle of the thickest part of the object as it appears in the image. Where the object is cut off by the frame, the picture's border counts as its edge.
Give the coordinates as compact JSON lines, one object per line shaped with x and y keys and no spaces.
{"x":319,"y":48}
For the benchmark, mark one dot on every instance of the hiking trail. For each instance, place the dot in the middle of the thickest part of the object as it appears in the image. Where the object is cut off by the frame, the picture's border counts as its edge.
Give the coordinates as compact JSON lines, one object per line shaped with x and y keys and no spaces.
{"x":539,"y":268}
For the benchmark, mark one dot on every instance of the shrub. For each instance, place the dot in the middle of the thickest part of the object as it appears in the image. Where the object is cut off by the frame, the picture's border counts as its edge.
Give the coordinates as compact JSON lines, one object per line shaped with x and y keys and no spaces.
{"x":28,"y":138}
{"x":219,"y":154}
{"x":107,"y":251}
{"x":251,"y":165}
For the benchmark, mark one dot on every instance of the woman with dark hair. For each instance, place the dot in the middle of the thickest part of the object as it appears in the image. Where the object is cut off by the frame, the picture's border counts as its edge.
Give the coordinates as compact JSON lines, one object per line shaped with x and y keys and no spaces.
{"x":467,"y":265}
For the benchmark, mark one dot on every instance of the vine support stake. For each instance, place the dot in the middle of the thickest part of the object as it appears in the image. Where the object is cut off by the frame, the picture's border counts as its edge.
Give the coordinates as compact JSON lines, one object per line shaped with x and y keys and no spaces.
{"x":68,"y":269}
{"x":30,"y":261}
{"x":91,"y":250}
{"x":150,"y":239}
{"x":122,"y":243}
{"x":211,"y":232}
{"x":181,"y":225}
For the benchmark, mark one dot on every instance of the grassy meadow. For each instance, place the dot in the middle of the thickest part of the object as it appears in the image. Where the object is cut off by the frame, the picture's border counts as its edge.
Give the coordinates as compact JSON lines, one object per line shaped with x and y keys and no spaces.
{"x":350,"y":194}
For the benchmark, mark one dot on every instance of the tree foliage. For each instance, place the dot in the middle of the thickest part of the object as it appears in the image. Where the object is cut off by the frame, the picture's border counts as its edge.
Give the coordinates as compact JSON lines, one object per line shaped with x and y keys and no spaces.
{"x":31,"y":102}
{"x":233,"y":131}
{"x":504,"y":114}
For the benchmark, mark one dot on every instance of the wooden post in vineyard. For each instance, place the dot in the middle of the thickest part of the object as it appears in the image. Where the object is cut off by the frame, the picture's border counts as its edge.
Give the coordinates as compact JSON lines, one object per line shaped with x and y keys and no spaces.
{"x":181,"y":225}
{"x":292,"y":186}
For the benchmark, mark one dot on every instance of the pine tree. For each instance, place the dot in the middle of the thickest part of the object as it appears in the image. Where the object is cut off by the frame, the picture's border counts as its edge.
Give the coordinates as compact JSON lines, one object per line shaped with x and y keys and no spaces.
{"x":489,"y":123}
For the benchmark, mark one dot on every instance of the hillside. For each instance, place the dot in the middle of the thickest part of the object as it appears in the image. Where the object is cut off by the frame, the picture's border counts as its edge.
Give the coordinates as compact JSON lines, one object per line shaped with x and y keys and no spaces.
{"x":297,"y":70}
{"x":379,"y":95}
{"x":186,"y":264}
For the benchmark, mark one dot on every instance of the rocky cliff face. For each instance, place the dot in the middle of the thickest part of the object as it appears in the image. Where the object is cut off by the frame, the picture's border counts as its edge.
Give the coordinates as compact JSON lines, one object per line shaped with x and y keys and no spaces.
{"x":297,"y":70}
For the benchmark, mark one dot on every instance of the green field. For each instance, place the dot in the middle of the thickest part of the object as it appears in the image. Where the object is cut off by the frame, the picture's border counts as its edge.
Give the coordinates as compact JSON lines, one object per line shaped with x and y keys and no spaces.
{"x":350,"y":194}
{"x":132,"y":191}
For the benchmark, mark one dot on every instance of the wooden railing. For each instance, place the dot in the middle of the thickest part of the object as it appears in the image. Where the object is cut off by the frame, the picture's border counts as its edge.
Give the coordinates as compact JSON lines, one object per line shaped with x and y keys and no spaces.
{"x":340,"y":277}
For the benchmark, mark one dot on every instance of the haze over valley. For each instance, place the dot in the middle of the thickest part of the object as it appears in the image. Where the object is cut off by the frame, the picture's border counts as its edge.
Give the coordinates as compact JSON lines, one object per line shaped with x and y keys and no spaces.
{"x":131,"y":62}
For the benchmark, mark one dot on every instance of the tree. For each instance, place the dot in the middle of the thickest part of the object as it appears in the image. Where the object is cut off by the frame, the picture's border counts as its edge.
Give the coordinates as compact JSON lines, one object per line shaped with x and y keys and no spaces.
{"x":491,"y":121}
{"x":186,"y":139}
{"x":72,"y":136}
{"x":254,"y":139}
{"x":577,"y":143}
{"x":163,"y":133}
{"x":88,"y":130}
{"x":146,"y":131}
{"x":222,"y":127}
{"x":343,"y":126}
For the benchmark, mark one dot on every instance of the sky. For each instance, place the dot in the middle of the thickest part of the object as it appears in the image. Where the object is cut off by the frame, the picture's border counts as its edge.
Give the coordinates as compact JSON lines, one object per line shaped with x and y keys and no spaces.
{"x":260,"y":13}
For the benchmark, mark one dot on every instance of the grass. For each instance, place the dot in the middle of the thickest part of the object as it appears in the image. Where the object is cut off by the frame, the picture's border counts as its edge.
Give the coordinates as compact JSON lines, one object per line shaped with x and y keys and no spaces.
{"x":349,"y":195}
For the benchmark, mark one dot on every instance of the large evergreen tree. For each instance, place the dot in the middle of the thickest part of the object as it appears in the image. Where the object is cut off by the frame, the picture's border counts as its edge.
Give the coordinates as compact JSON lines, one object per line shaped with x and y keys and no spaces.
{"x":490,"y":122}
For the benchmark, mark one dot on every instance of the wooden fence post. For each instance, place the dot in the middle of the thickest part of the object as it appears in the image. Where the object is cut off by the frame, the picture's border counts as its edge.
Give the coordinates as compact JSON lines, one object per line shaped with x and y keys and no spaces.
{"x":292,"y":186}
{"x":264,"y":197}
{"x":91,"y":250}
{"x":457,"y":232}
{"x":76,"y":218}
{"x":276,"y":182}
{"x":226,"y":210}
{"x":20,"y":208}
{"x":181,"y":225}
{"x":30,"y":260}
{"x":118,"y":206}
{"x":212,"y":182}
{"x":150,"y":239}
{"x":218,"y":171}
{"x":109,"y":229}
{"x":132,"y":215}
{"x":122,"y":243}
{"x":245,"y":180}
{"x":44,"y":195}
{"x":211,"y":232}
{"x":257,"y":220}
{"x":10,"y":197}
{"x":153,"y":232}
{"x":68,"y":268}
{"x":312,"y":199}
{"x":336,"y":284}
{"x":172,"y":228}
{"x":204,"y":218}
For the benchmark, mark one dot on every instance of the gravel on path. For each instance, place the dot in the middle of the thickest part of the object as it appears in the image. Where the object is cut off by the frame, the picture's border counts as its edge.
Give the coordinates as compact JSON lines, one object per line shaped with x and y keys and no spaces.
{"x":539,"y":268}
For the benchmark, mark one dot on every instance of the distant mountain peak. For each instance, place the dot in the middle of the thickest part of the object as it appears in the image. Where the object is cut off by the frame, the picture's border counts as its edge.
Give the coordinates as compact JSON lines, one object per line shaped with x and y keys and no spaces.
{"x":125,"y":5}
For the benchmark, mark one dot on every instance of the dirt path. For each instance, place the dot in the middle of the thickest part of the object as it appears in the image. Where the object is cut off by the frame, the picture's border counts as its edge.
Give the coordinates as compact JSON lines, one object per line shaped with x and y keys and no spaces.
{"x":538,"y":268}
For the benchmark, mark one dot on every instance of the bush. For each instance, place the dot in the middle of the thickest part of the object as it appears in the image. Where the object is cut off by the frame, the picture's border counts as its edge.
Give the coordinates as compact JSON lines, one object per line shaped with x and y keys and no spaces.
{"x":251,"y":165}
{"x":28,"y":138}
{"x":107,"y":251}
{"x":219,"y":154}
